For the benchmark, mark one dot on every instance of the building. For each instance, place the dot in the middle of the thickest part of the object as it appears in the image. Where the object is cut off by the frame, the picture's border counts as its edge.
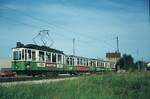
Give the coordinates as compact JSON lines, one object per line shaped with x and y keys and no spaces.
{"x":113,"y":56}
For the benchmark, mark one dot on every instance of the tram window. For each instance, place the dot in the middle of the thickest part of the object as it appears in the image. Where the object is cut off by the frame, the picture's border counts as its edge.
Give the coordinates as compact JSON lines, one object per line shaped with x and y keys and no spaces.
{"x":48,"y":57}
{"x":81,"y":61}
{"x":25,"y":54}
{"x":86,"y":62}
{"x":67,"y":60}
{"x":105,"y":65}
{"x":33,"y":55}
{"x":91,"y":63}
{"x":73,"y":61}
{"x":102,"y":64}
{"x":15,"y":55}
{"x":41,"y":56}
{"x":97,"y":63}
{"x":53,"y":57}
{"x":22,"y":54}
{"x":78,"y":61}
{"x":19,"y":55}
{"x":94,"y":63}
{"x":59,"y":58}
{"x":29,"y":54}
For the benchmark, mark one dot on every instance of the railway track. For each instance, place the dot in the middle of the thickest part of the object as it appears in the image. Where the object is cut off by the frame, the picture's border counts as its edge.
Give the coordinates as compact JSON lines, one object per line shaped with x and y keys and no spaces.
{"x":29,"y":78}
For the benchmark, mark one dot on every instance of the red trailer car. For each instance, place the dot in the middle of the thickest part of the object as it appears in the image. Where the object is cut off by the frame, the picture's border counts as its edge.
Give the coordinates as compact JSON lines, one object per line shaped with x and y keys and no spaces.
{"x":6,"y":72}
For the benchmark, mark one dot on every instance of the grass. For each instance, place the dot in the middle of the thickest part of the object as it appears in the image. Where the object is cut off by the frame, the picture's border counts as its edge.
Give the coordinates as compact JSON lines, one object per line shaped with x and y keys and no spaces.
{"x":107,"y":86}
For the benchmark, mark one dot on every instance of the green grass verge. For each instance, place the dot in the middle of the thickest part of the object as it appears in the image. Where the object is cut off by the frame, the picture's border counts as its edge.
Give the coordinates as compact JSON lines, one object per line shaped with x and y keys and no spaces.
{"x":107,"y":86}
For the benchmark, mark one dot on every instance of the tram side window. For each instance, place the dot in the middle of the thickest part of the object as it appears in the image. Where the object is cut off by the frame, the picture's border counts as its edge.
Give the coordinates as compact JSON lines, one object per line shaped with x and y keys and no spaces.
{"x":102,"y":64}
{"x":19,"y":55}
{"x":105,"y":65}
{"x":91,"y":63}
{"x":53,"y":57}
{"x":33,"y":55}
{"x":48,"y":57}
{"x":67,"y":60}
{"x":71,"y":61}
{"x":86,"y":62}
{"x":25,"y":54}
{"x":97,"y":63}
{"x":22,"y":54}
{"x":41,"y":56}
{"x":78,"y":61}
{"x":29,"y":54}
{"x":15,"y":55}
{"x":81,"y":62}
{"x":59,"y":58}
{"x":94,"y":63}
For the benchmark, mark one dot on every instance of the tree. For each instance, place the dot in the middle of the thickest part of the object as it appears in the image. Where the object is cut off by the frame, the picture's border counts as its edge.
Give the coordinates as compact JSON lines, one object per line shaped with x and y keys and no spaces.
{"x":140,"y":65}
{"x":126,"y":62}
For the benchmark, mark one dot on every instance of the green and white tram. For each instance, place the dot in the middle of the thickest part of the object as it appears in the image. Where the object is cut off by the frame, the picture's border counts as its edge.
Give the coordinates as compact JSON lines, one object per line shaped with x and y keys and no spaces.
{"x":34,"y":60}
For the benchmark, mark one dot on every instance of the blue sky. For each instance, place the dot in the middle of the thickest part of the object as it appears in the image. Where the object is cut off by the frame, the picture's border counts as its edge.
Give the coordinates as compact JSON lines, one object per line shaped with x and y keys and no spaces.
{"x":93,"y":23}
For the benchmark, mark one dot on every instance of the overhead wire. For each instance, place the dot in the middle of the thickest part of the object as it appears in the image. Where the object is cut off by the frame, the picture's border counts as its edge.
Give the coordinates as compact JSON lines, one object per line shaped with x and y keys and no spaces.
{"x":18,"y":22}
{"x":51,"y":24}
{"x":95,"y":40}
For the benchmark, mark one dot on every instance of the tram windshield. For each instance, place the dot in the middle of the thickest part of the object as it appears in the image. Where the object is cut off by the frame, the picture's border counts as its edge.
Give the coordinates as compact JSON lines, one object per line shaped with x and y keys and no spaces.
{"x":17,"y":55}
{"x":24,"y":54}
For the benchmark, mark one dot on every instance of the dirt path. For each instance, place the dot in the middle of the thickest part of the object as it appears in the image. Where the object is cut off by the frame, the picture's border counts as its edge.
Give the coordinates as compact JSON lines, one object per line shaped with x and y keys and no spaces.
{"x":35,"y":81}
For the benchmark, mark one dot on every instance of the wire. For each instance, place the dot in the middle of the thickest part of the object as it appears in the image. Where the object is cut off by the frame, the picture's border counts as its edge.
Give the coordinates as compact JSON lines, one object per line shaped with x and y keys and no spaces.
{"x":28,"y":15}
{"x":60,"y":27}
{"x":93,"y":39}
{"x":15,"y":21}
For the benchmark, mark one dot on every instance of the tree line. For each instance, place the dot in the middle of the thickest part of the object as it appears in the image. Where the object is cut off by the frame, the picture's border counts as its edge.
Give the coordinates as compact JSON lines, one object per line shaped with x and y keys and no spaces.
{"x":126,"y":62}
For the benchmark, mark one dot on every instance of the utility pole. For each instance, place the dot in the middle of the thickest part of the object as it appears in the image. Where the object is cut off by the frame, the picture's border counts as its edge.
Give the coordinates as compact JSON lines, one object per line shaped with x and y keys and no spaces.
{"x":143,"y":67}
{"x":74,"y":46}
{"x":138,"y":59}
{"x":117,"y":44}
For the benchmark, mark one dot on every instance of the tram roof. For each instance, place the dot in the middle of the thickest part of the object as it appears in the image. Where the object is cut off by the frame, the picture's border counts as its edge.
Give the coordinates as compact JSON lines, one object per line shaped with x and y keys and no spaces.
{"x":37,"y":47}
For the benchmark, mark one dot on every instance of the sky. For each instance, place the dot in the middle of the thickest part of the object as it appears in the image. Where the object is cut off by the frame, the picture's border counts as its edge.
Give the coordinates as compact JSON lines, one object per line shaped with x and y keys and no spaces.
{"x":94,"y":24}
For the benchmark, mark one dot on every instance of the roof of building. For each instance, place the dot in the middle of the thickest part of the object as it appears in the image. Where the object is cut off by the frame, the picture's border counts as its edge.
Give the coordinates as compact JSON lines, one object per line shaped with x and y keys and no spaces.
{"x":113,"y":55}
